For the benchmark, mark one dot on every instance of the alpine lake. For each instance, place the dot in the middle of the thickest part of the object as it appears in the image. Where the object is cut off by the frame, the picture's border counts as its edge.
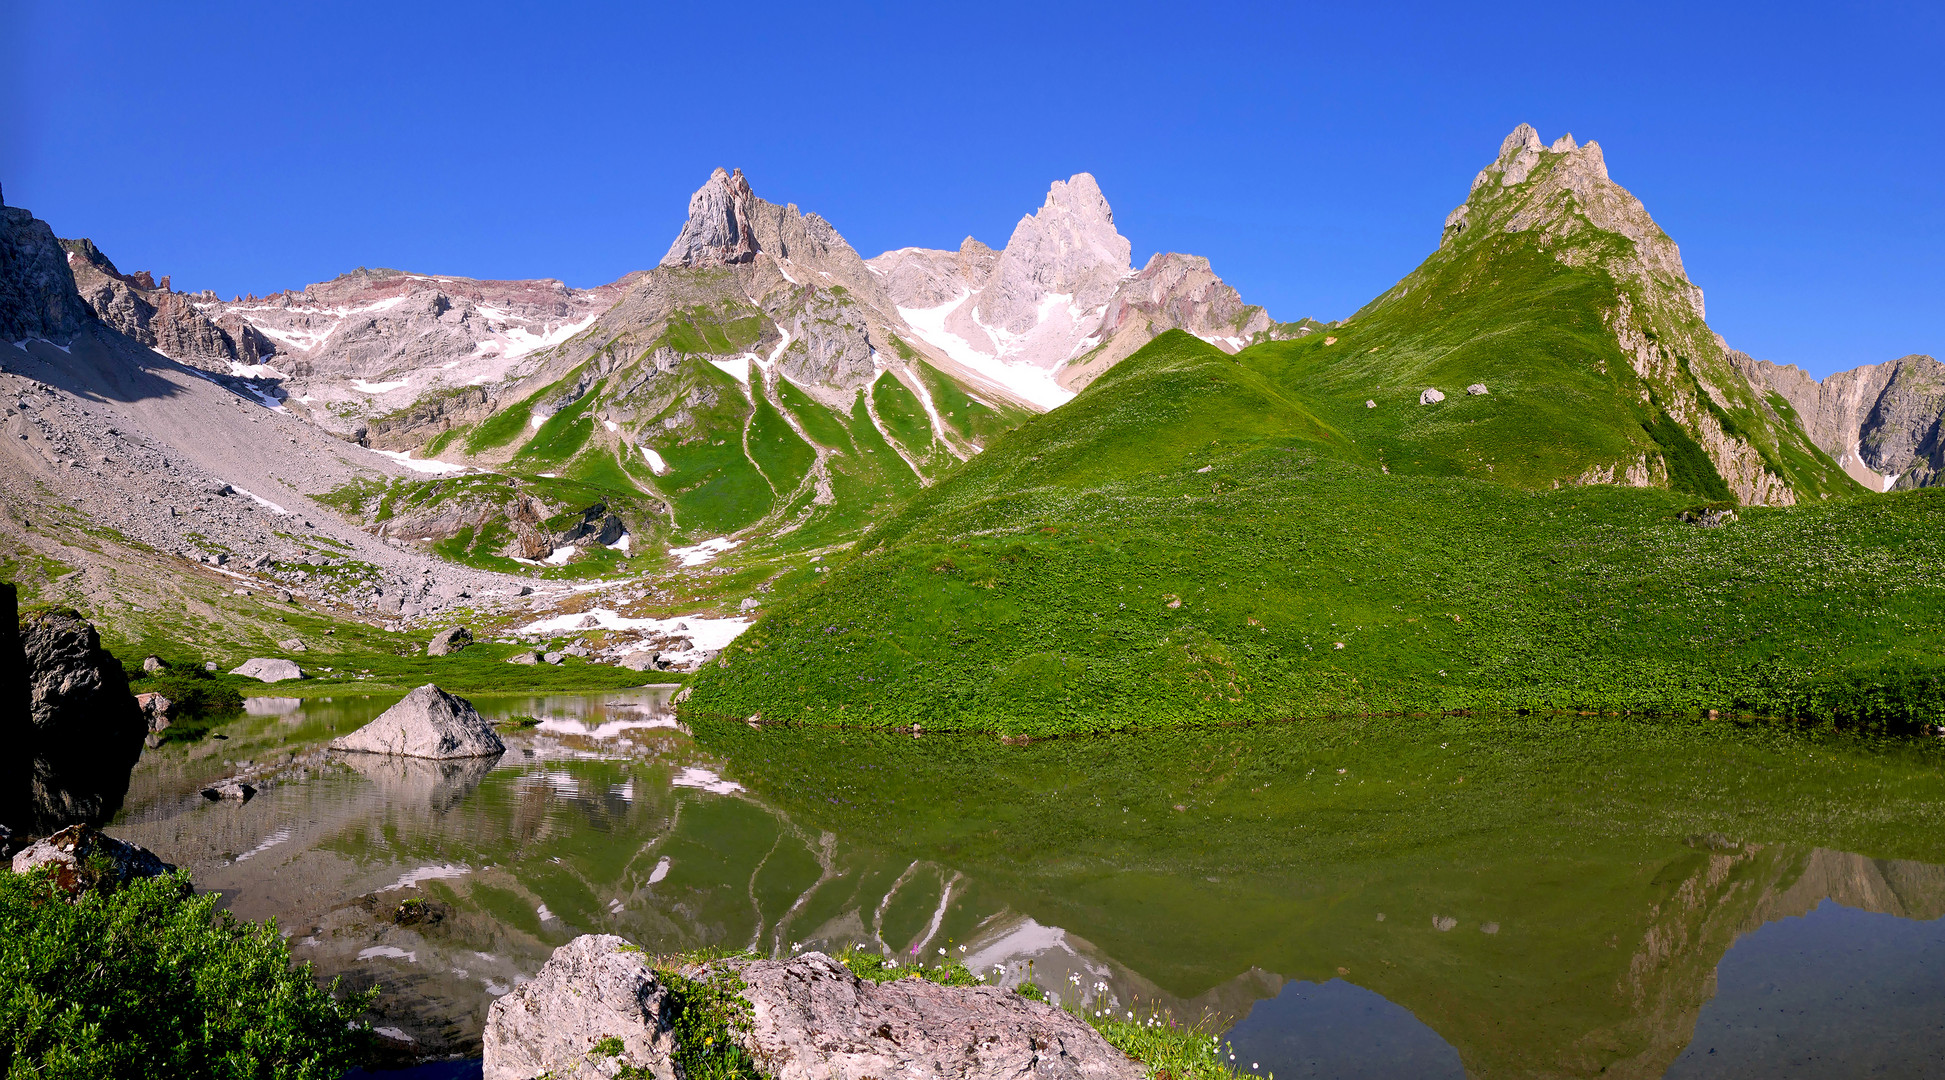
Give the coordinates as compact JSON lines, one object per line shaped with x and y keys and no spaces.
{"x":1439,"y":896}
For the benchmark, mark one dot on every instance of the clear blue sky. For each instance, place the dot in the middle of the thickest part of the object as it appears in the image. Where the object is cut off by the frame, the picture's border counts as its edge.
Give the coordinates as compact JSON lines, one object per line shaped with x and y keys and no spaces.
{"x":1796,"y":152}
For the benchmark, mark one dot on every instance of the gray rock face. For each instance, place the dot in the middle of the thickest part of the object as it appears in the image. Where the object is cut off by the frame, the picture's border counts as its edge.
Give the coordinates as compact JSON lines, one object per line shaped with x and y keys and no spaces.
{"x":165,"y":321}
{"x":1068,"y":247}
{"x":814,"y":1020}
{"x":449,"y":641}
{"x":718,"y":231}
{"x":82,"y":857}
{"x":1881,"y":422}
{"x":593,"y":988}
{"x":87,"y":730}
{"x":268,"y":669}
{"x":37,"y":294}
{"x":428,"y":723}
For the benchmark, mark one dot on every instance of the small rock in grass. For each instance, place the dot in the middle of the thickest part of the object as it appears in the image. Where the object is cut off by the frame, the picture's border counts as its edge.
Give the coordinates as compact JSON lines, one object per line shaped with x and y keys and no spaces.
{"x":1431,"y":396}
{"x":1369,"y":404}
{"x":1476,"y":389}
{"x":267,"y":669}
{"x":447,"y":642}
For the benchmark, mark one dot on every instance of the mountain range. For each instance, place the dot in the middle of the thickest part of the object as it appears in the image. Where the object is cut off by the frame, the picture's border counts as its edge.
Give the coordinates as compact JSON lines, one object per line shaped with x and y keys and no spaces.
{"x":765,"y":388}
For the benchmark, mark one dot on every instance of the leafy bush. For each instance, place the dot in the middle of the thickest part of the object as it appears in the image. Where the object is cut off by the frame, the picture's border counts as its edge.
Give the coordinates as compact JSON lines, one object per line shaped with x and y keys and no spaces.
{"x":194,"y":694}
{"x":1900,"y":697}
{"x":709,"y":1012}
{"x":151,"y":980}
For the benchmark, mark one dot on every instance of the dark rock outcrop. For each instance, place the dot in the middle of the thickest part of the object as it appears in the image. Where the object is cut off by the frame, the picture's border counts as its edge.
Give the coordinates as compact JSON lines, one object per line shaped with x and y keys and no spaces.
{"x":163,"y":320}
{"x":37,"y":294}
{"x":15,"y":765}
{"x":87,"y":730}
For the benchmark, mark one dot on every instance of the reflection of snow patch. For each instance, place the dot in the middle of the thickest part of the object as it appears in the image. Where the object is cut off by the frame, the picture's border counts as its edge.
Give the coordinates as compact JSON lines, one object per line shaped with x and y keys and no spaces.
{"x":389,"y":952}
{"x":427,"y":873}
{"x":544,"y":914}
{"x":393,"y":1033}
{"x":565,"y":726}
{"x":1027,"y":939}
{"x":707,"y":633}
{"x":271,"y":706}
{"x":661,"y":871}
{"x":269,"y":842}
{"x":497,"y":989}
{"x":697,"y":554}
{"x":697,"y":777}
{"x":655,"y":462}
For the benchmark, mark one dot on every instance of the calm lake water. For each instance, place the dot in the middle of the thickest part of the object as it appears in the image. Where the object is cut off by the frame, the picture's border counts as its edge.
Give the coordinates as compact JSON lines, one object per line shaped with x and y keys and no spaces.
{"x":1430,"y":899}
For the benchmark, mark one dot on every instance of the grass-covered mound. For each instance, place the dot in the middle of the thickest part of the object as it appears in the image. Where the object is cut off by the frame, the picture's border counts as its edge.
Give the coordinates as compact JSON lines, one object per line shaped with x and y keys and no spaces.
{"x":150,"y":980}
{"x":1194,"y":539}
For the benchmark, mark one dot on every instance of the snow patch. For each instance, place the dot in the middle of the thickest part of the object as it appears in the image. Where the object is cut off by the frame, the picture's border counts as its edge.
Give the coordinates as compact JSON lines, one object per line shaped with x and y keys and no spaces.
{"x":707,"y":633}
{"x":622,"y":544}
{"x":261,"y":501}
{"x":698,"y":554}
{"x":560,"y":555}
{"x":655,"y":462}
{"x":661,"y":871}
{"x":423,"y":465}
{"x":1032,"y":383}
{"x":738,"y":369}
{"x":364,"y":387}
{"x":389,"y":952}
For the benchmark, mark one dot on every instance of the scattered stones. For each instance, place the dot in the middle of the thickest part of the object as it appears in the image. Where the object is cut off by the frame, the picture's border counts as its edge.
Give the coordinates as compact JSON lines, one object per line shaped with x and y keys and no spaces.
{"x":1369,"y":404}
{"x":447,"y":642}
{"x":428,"y":723}
{"x":293,"y":645}
{"x":594,"y":991}
{"x":231,"y":789}
{"x":1477,"y":389}
{"x":588,"y":622}
{"x":1431,"y":396}
{"x":1335,"y":645}
{"x":267,"y":669}
{"x":83,"y":856}
{"x":209,"y":665}
{"x":641,"y":661}
{"x":553,"y":657}
{"x":152,"y":664}
{"x":1709,"y":519}
{"x":524,"y":656}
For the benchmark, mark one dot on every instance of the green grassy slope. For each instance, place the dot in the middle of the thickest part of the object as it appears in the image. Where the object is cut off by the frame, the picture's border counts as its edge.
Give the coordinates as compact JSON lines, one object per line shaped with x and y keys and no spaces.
{"x":1190,"y":540}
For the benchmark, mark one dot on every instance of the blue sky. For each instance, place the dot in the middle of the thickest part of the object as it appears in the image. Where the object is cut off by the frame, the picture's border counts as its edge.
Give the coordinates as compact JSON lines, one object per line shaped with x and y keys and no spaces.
{"x":1795,"y":152}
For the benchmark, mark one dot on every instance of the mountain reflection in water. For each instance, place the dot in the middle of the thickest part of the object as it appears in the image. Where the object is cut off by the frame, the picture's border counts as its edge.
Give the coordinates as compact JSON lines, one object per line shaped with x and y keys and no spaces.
{"x":1426,"y":898}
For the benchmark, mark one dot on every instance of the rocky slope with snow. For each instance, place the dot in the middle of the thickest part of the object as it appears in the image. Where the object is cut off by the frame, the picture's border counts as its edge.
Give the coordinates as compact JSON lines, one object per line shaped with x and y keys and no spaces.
{"x":1061,"y":302}
{"x":1884,"y":423}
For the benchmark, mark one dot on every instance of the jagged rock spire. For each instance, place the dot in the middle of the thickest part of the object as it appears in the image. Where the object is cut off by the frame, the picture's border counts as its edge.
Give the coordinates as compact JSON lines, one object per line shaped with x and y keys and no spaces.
{"x":719,"y":229}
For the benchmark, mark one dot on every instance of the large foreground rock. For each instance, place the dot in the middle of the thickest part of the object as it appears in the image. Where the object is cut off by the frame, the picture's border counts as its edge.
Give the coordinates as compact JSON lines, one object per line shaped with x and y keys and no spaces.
{"x":429,"y":723}
{"x":86,"y":730}
{"x":269,"y":669}
{"x":814,"y":1020}
{"x":83,"y":857}
{"x":593,"y":988}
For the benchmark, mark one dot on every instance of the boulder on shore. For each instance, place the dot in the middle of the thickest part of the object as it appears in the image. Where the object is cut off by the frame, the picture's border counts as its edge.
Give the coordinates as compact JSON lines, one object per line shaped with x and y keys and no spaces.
{"x":85,"y":730}
{"x":429,"y":723}
{"x":269,"y":669}
{"x":82,"y":856}
{"x":643,"y":660}
{"x":447,"y":642}
{"x":814,"y":1020}
{"x":594,"y":988}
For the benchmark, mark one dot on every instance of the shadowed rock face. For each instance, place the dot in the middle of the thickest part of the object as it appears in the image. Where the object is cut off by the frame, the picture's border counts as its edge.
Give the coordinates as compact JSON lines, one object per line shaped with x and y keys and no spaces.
{"x":86,"y":728}
{"x":160,"y":318}
{"x":1882,"y":422}
{"x":14,"y":728}
{"x":37,"y":297}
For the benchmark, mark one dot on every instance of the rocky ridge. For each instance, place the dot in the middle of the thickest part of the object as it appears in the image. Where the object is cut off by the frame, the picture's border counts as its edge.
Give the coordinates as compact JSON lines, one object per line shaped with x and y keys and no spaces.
{"x":1559,"y":198}
{"x":1881,"y":422}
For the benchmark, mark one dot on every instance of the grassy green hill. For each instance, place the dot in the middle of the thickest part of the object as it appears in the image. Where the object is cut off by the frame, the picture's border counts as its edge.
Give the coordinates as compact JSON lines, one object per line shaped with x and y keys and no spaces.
{"x":1205,"y":538}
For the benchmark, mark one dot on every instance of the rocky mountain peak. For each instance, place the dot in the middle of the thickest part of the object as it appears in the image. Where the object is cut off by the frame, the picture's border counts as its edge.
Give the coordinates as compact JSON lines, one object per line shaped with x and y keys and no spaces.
{"x":718,"y":231}
{"x":37,"y":294}
{"x":1557,"y":192}
{"x":1068,"y":248}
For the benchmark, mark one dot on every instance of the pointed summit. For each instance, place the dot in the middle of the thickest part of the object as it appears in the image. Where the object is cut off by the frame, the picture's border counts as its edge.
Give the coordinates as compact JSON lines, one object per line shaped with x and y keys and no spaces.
{"x":1068,"y":248}
{"x":1563,"y":193}
{"x":718,"y":231}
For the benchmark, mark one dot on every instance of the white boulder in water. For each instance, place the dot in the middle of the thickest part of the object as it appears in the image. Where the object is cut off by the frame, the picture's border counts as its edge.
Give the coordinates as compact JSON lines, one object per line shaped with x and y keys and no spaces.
{"x":429,"y":723}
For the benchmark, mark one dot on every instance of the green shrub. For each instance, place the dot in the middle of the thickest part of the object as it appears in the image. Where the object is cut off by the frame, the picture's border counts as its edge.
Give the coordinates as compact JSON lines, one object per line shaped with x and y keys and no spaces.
{"x":709,"y":1012}
{"x":151,"y":980}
